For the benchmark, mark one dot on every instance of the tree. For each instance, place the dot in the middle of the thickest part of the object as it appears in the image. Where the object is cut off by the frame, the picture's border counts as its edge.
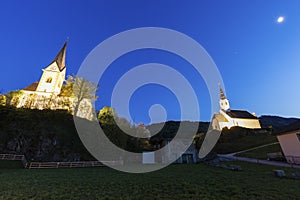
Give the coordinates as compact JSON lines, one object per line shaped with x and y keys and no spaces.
{"x":198,"y":140}
{"x":107,"y":115}
{"x":67,"y":89}
{"x":2,"y":99}
{"x":142,"y":131}
{"x":109,"y":122}
{"x":80,"y":90}
{"x":13,"y":97}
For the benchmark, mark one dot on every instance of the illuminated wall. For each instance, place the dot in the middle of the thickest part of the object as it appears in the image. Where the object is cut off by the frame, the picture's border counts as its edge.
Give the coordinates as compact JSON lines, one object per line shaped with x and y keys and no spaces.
{"x":290,"y":145}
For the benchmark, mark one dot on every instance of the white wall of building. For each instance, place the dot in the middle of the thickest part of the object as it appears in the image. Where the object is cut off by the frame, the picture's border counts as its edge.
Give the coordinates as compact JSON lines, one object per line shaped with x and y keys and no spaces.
{"x":290,"y":146}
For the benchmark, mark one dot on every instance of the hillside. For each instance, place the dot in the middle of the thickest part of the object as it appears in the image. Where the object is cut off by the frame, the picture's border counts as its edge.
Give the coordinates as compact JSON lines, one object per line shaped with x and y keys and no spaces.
{"x":47,"y":135}
{"x":276,"y":122}
{"x":238,"y":139}
{"x":170,"y":128}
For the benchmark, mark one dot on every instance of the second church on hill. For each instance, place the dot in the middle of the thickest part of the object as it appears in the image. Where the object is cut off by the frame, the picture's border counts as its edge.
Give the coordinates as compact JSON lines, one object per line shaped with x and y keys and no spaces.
{"x":229,"y":118}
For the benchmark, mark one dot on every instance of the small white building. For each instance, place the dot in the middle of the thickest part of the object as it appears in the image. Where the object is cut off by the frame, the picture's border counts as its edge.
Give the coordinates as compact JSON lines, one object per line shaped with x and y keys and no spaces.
{"x":289,"y":140}
{"x":229,"y":118}
{"x":173,"y":152}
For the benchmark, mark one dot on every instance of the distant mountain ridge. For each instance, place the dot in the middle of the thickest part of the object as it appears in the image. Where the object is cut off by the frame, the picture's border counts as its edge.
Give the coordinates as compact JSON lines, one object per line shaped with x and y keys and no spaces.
{"x":169,"y":129}
{"x":276,"y":122}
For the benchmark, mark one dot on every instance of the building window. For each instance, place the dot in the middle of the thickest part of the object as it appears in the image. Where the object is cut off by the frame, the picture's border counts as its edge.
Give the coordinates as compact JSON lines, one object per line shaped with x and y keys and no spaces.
{"x":298,"y":136}
{"x":49,"y":80}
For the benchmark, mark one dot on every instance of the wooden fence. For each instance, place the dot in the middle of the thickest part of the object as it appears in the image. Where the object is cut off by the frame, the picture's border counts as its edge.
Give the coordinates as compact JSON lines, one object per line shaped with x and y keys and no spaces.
{"x":41,"y":165}
{"x":14,"y":157}
{"x":11,"y":157}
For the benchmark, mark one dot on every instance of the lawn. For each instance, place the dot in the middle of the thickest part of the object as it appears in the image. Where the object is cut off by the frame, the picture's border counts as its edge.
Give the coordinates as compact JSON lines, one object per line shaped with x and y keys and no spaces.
{"x":261,"y":153}
{"x":9,"y":164}
{"x":239,"y":139}
{"x":196,"y":181}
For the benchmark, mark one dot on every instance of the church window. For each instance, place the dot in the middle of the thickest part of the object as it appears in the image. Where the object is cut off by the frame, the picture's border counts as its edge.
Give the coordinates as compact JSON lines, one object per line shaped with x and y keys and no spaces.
{"x":49,"y":80}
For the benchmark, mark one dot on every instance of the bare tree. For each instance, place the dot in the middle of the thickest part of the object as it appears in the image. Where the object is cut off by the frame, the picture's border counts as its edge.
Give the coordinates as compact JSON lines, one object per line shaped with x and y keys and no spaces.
{"x":82,"y":89}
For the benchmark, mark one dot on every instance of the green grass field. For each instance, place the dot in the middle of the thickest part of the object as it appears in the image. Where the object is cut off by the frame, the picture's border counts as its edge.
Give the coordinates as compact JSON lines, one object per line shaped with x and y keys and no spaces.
{"x":197,"y":181}
{"x":239,"y":139}
{"x":261,"y":153}
{"x":9,"y":164}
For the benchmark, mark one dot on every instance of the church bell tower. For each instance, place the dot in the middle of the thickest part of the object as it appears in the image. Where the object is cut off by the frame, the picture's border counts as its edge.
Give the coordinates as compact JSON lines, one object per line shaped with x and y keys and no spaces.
{"x":53,"y":75}
{"x":224,"y":103}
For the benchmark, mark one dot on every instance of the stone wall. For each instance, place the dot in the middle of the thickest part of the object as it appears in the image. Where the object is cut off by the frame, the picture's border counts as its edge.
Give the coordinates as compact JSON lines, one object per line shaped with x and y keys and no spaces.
{"x":35,"y":101}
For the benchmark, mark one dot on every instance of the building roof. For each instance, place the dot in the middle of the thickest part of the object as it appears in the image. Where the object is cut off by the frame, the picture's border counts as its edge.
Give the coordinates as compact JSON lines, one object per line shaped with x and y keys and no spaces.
{"x":32,"y":87}
{"x":220,"y":118}
{"x":240,"y":114}
{"x":61,"y":57}
{"x":292,"y":127}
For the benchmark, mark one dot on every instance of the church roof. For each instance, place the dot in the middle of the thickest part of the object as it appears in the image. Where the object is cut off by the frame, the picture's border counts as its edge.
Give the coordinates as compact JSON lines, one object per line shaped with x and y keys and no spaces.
{"x":220,"y":118}
{"x":240,"y":114}
{"x":61,"y":57}
{"x":32,"y":87}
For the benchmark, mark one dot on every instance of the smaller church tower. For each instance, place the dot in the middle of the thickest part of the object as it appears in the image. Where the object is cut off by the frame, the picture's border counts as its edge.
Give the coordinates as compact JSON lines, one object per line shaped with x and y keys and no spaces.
{"x":229,"y":118}
{"x":53,"y":75}
{"x":224,"y":103}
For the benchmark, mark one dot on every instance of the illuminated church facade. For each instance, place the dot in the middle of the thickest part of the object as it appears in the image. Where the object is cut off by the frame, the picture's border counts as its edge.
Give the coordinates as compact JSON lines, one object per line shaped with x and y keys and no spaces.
{"x":46,"y":94}
{"x":52,"y":79}
{"x":229,"y":118}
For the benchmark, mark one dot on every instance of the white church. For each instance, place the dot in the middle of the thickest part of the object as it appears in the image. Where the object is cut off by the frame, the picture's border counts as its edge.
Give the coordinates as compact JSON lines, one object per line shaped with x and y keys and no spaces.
{"x":229,"y":118}
{"x":46,"y":94}
{"x":52,"y":78}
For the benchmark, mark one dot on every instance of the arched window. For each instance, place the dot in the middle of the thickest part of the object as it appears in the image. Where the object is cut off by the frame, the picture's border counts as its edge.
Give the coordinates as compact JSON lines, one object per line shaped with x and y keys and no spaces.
{"x":49,"y":80}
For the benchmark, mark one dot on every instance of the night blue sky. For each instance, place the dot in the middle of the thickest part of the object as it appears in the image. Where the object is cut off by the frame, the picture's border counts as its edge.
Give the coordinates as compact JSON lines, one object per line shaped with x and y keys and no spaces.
{"x":257,"y":57}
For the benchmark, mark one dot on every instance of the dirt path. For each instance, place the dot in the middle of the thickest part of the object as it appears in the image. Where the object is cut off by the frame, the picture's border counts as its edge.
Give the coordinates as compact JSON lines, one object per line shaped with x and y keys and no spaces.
{"x":232,"y":156}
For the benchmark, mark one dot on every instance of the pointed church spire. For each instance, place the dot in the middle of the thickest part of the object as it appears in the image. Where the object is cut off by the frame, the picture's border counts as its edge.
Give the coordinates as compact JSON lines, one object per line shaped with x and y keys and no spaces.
{"x":222,"y":95}
{"x":61,"y":57}
{"x":224,"y":103}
